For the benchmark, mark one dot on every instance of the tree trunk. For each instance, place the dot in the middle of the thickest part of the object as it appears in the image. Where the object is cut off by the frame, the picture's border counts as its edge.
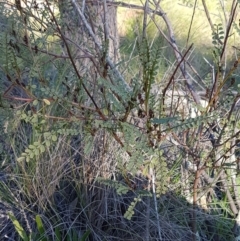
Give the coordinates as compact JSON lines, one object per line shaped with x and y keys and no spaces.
{"x":90,"y":32}
{"x":90,"y":29}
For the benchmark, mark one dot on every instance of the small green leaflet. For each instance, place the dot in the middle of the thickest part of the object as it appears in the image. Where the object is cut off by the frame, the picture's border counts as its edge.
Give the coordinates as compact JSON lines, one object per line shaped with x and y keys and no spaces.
{"x":163,"y":120}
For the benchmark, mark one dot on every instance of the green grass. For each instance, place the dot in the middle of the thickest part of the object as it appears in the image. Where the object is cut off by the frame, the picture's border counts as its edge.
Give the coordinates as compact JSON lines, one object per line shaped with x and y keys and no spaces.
{"x":200,"y":34}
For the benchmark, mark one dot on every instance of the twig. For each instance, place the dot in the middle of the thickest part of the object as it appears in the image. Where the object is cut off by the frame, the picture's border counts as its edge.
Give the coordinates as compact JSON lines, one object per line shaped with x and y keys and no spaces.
{"x":117,"y":138}
{"x":145,"y":16}
{"x":230,"y":22}
{"x":171,"y":40}
{"x":91,"y":33}
{"x":229,"y":196}
{"x":105,"y":23}
{"x":195,"y":185}
{"x":155,"y":203}
{"x":215,"y":90}
{"x":190,"y":27}
{"x":174,"y":72}
{"x":208,"y":17}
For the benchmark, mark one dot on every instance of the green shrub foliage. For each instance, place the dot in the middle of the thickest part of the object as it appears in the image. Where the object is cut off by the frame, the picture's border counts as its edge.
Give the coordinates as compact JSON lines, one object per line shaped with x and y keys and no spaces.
{"x":140,"y":136}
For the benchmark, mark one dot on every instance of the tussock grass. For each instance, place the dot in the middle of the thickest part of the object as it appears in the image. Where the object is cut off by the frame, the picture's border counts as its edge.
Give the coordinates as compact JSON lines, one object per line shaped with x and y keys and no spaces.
{"x":61,"y":185}
{"x":129,"y":21}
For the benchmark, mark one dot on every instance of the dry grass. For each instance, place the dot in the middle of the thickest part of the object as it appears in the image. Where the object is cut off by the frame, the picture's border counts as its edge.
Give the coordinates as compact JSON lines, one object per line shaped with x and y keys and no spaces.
{"x":61,"y":185}
{"x":200,"y":33}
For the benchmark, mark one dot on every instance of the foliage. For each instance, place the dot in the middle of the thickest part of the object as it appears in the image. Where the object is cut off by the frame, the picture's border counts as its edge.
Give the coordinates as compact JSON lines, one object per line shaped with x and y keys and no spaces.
{"x":42,"y":235}
{"x":91,"y":149}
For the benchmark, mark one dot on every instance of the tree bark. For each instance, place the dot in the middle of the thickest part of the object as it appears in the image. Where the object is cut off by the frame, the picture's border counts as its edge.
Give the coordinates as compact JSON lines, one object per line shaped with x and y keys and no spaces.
{"x":90,"y":28}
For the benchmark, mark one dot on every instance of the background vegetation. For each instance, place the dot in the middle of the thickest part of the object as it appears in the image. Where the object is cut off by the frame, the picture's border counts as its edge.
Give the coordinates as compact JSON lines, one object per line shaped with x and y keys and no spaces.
{"x":135,"y":144}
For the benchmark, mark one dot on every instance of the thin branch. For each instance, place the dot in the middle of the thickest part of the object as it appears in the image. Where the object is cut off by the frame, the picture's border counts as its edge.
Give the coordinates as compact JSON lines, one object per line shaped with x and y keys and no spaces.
{"x":230,"y":22}
{"x":215,"y":90}
{"x":145,"y":16}
{"x":174,"y":72}
{"x":195,"y":185}
{"x":171,"y":40}
{"x":208,"y":15}
{"x":229,"y":196}
{"x":223,"y":9}
{"x":98,"y":45}
{"x":73,"y":63}
{"x":190,"y":27}
{"x":105,"y":22}
{"x":83,"y":5}
{"x":131,"y":6}
{"x":103,"y":117}
{"x":152,"y":174}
